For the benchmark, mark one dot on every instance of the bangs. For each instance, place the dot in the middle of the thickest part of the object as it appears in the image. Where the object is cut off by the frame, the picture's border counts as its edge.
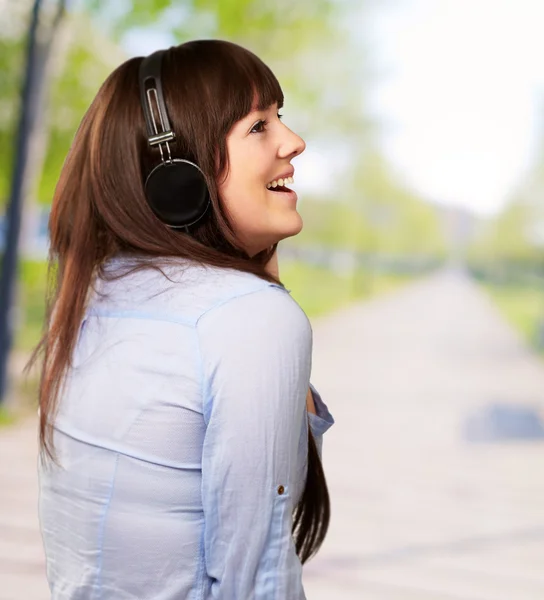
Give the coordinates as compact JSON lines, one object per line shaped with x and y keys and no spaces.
{"x":251,"y":86}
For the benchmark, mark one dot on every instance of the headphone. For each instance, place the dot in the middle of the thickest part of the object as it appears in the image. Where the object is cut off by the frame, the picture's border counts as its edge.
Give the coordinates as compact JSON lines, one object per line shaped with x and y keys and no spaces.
{"x":176,"y":188}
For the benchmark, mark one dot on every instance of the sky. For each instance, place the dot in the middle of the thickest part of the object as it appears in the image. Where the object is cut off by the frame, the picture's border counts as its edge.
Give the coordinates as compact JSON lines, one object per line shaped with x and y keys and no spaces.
{"x":459,"y":94}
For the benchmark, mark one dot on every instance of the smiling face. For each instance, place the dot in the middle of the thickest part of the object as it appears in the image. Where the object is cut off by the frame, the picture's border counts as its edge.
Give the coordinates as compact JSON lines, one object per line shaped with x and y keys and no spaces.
{"x":260,"y":149}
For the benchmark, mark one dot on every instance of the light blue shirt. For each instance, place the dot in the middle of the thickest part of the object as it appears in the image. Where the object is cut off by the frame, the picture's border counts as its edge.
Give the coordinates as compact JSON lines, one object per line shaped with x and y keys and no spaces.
{"x":182,"y":433}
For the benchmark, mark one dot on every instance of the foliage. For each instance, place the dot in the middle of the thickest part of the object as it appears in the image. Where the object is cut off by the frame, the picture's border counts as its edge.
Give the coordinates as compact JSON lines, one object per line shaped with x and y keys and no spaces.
{"x":516,"y":234}
{"x":6,"y":417}
{"x":11,"y":65}
{"x":523,"y":308}
{"x":88,"y":60}
{"x":31,"y":305}
{"x":380,"y":214}
{"x":208,"y":18}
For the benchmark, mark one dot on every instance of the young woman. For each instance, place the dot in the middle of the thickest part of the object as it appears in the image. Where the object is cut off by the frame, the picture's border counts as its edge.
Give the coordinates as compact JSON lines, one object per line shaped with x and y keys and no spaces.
{"x":180,"y":436}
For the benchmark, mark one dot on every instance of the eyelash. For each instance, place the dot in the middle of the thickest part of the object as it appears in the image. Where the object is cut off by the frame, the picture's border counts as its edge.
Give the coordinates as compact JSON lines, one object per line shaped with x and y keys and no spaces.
{"x":264,"y":123}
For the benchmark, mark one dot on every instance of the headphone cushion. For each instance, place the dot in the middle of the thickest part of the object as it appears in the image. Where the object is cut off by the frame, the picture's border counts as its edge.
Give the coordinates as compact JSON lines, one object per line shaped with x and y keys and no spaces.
{"x":177,"y":193}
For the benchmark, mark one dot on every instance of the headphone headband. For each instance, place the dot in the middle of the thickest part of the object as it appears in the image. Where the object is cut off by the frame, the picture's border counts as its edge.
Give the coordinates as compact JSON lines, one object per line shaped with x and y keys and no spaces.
{"x":151,"y":91}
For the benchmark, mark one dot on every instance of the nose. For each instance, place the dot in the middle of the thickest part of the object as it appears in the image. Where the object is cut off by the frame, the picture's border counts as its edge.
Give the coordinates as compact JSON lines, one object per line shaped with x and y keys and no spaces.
{"x":291,"y":144}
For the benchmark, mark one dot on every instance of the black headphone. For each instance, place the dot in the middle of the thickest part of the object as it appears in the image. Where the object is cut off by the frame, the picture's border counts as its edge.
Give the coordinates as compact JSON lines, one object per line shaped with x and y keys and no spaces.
{"x":176,"y":188}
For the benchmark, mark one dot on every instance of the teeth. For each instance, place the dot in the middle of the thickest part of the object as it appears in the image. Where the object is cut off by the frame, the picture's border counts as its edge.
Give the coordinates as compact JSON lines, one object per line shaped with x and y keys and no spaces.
{"x":279,"y":182}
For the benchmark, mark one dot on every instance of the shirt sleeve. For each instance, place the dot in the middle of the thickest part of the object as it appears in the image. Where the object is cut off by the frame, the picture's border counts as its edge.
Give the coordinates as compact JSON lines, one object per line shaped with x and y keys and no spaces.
{"x":321,"y":421}
{"x":256,"y":363}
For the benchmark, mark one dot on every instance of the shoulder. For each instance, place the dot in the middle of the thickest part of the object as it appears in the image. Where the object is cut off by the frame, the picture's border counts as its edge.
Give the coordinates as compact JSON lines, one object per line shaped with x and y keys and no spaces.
{"x":196,"y":292}
{"x":261,"y":301}
{"x":228,"y":293}
{"x":264,"y":313}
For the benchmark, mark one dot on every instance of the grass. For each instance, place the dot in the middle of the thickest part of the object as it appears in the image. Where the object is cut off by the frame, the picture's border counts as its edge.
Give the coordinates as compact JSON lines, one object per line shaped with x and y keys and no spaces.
{"x":522,"y":307}
{"x":31,"y":308}
{"x":319,"y":290}
{"x":6,"y":417}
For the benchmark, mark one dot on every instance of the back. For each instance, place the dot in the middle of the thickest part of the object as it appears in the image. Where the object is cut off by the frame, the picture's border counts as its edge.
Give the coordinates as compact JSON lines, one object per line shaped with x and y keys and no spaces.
{"x":182,"y":425}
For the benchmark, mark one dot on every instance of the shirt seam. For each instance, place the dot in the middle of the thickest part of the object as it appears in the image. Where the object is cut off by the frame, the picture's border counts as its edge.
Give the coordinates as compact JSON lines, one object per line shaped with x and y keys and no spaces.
{"x":201,"y":579}
{"x":202,"y":550}
{"x":119,"y":448}
{"x":280,"y":532}
{"x":287,"y":491}
{"x":172,"y":317}
{"x":238,"y":295}
{"x":102,"y":528}
{"x":140,"y":315}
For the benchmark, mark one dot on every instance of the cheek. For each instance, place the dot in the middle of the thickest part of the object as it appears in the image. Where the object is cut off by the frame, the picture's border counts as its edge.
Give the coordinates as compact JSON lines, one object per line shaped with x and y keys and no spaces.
{"x":251,"y":164}
{"x":243,"y":193}
{"x":248,"y":209}
{"x":245,"y":187}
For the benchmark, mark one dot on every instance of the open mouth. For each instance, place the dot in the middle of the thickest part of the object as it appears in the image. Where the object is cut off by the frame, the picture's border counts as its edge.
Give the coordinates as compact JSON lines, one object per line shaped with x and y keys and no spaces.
{"x":279,"y":188}
{"x":279,"y":185}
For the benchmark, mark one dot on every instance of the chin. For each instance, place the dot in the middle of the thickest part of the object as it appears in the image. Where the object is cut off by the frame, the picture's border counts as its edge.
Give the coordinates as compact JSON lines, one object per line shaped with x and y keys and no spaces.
{"x":283,"y":235}
{"x":290,"y":233}
{"x":292,"y":226}
{"x":288,"y":228}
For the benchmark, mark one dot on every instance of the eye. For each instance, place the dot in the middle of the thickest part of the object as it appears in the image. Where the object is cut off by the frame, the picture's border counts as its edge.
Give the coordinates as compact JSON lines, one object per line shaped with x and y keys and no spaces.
{"x":262,"y":125}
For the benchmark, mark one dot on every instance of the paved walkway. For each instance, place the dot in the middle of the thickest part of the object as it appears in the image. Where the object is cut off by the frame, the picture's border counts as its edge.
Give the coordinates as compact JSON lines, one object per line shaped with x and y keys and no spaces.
{"x":417,"y":512}
{"x":22,"y":574}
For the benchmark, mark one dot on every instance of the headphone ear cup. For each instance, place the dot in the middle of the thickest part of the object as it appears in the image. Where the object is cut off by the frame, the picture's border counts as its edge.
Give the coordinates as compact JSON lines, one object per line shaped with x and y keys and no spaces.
{"x":177,"y":193}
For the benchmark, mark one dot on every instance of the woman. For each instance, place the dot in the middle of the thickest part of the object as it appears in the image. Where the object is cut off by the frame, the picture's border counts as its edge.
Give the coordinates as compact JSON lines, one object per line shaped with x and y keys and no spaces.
{"x":180,"y":437}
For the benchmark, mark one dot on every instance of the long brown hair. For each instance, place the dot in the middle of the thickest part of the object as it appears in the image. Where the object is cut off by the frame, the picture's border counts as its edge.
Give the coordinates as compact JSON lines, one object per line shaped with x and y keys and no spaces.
{"x":99,"y":210}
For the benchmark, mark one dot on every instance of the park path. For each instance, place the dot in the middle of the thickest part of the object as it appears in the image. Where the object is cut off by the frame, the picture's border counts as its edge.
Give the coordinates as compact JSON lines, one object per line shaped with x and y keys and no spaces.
{"x":418,"y":513}
{"x":22,"y":572}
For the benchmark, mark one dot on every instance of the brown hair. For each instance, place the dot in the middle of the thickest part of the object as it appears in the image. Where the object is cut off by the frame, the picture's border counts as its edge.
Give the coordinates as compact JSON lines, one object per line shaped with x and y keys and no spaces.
{"x":99,"y":210}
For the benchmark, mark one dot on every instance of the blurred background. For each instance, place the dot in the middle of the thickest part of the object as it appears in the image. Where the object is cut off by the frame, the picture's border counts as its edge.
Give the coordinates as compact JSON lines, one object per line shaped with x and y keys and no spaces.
{"x":420,"y":266}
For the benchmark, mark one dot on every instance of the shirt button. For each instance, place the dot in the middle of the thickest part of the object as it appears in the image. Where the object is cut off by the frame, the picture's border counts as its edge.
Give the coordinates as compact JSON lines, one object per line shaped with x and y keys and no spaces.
{"x":281,"y":489}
